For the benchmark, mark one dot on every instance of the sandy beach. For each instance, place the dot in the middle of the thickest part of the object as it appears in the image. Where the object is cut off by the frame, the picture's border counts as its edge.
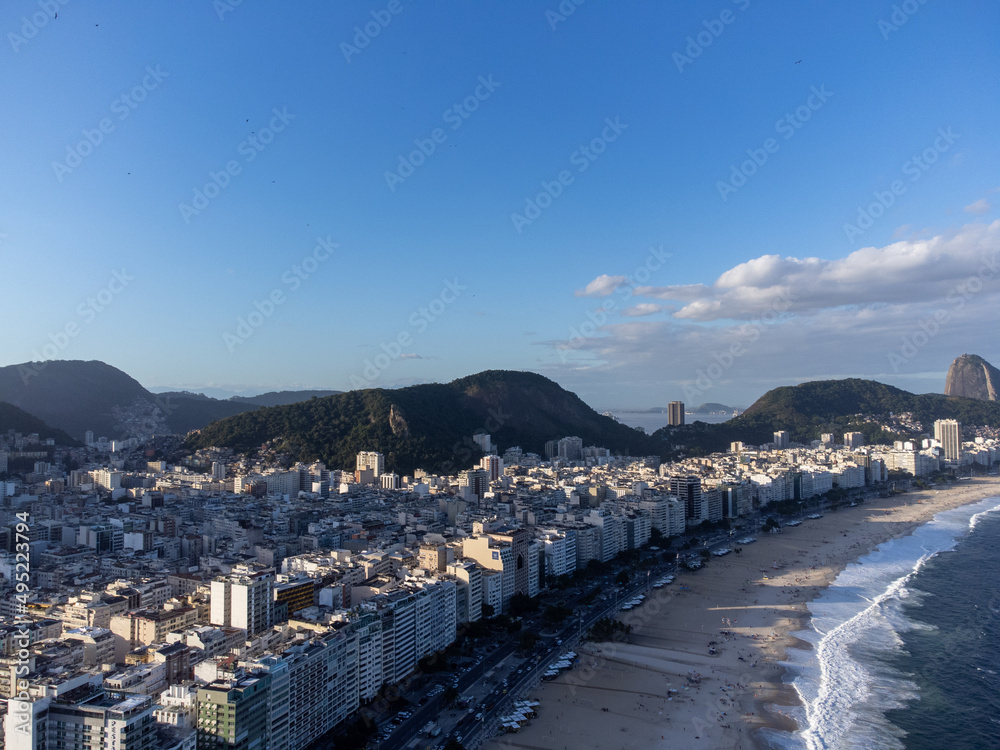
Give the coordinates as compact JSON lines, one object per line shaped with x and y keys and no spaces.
{"x":638,"y":694}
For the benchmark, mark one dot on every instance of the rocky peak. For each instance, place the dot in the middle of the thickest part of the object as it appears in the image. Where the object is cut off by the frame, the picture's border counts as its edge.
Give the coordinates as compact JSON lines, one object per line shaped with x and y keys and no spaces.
{"x":973,"y":377}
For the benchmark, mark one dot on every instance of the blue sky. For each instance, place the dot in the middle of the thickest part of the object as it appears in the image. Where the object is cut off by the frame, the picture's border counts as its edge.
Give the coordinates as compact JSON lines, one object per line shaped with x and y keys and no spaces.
{"x":653,"y":274}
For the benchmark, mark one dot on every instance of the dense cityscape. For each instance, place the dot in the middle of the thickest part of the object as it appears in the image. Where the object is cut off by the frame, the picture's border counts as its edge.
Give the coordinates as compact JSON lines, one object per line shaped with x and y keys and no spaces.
{"x":157,"y":598}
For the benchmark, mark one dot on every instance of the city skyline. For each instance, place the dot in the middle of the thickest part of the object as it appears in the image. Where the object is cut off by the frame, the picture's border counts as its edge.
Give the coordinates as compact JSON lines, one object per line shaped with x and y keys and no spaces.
{"x":725,"y":198}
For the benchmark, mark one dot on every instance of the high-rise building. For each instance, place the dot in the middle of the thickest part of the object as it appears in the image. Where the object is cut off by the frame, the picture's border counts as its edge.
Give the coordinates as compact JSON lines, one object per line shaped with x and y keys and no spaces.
{"x":244,"y":599}
{"x":218,"y":470}
{"x":854,"y":439}
{"x":235,"y":712}
{"x":314,"y":687}
{"x":551,"y":449}
{"x":948,"y":432}
{"x":477,"y":480}
{"x":372,"y":460}
{"x":781,"y":439}
{"x":81,"y":719}
{"x":675,"y":413}
{"x":493,"y":465}
{"x":688,"y":491}
{"x":571,"y":449}
{"x":494,"y":555}
{"x":469,"y":577}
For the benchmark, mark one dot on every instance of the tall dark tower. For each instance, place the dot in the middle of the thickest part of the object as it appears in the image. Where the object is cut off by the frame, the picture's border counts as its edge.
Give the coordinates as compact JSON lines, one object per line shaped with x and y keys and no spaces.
{"x":675,"y":413}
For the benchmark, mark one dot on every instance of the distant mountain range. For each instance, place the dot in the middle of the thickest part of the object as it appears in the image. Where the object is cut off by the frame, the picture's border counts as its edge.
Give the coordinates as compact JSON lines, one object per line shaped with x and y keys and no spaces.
{"x":707,"y":408}
{"x":973,"y":377}
{"x":428,"y":426}
{"x":75,"y":396}
{"x":431,"y":426}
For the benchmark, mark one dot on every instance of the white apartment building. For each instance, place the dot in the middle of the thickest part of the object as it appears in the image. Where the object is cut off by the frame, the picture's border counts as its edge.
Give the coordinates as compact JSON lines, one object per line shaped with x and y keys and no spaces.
{"x":373,"y":461}
{"x":949,"y":433}
{"x":848,"y":476}
{"x":244,"y":599}
{"x":493,"y":590}
{"x":559,"y":548}
{"x":469,"y":581}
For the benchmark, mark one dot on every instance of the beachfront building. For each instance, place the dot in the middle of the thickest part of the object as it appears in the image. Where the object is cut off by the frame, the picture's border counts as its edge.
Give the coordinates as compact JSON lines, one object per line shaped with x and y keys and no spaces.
{"x":948,"y":432}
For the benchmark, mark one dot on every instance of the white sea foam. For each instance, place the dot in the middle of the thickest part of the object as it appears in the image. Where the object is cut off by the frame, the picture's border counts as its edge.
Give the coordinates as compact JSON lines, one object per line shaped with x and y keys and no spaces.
{"x":844,"y":683}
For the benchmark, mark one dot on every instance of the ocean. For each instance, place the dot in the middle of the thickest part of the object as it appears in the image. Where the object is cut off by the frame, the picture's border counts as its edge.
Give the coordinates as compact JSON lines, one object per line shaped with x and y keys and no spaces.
{"x":906,"y":644}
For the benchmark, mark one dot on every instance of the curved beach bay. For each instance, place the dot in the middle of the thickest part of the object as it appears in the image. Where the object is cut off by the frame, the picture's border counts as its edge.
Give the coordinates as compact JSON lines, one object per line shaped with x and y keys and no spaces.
{"x":638,"y":694}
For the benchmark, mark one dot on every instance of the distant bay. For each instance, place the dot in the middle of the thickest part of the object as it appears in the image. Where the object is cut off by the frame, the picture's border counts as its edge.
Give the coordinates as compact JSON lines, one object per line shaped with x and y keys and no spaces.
{"x":652,"y":421}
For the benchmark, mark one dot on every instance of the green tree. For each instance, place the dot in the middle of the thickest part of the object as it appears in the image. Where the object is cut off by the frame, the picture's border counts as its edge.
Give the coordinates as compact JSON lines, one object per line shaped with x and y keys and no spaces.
{"x":521,"y":604}
{"x":622,"y":578}
{"x":556,"y":615}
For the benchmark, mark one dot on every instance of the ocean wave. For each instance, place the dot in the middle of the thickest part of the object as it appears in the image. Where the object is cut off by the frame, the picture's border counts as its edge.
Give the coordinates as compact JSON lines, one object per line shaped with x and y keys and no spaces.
{"x":845,"y":683}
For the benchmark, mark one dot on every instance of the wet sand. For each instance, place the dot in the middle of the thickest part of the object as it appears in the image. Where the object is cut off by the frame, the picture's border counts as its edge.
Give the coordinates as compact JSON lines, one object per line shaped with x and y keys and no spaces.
{"x":620,"y":695}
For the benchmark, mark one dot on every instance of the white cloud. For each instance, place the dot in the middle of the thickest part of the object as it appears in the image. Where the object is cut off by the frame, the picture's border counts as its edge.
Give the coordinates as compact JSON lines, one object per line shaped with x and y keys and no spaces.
{"x":980,"y":207}
{"x":602,"y":286}
{"x":899,"y":314}
{"x":642,"y":309}
{"x":906,"y":271}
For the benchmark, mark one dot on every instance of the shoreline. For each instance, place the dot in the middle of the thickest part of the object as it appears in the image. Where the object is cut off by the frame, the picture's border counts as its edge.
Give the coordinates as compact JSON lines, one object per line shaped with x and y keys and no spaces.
{"x":747,"y":606}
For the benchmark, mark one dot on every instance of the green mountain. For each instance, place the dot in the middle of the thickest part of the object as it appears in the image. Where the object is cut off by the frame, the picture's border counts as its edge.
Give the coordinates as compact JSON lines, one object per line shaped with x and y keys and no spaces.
{"x":427,"y":426}
{"x":14,"y":418}
{"x":711,"y":406}
{"x":809,"y":409}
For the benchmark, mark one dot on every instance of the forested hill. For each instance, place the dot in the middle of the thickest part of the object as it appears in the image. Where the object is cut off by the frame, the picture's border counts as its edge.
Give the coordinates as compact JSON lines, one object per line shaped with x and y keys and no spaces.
{"x":428,"y":426}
